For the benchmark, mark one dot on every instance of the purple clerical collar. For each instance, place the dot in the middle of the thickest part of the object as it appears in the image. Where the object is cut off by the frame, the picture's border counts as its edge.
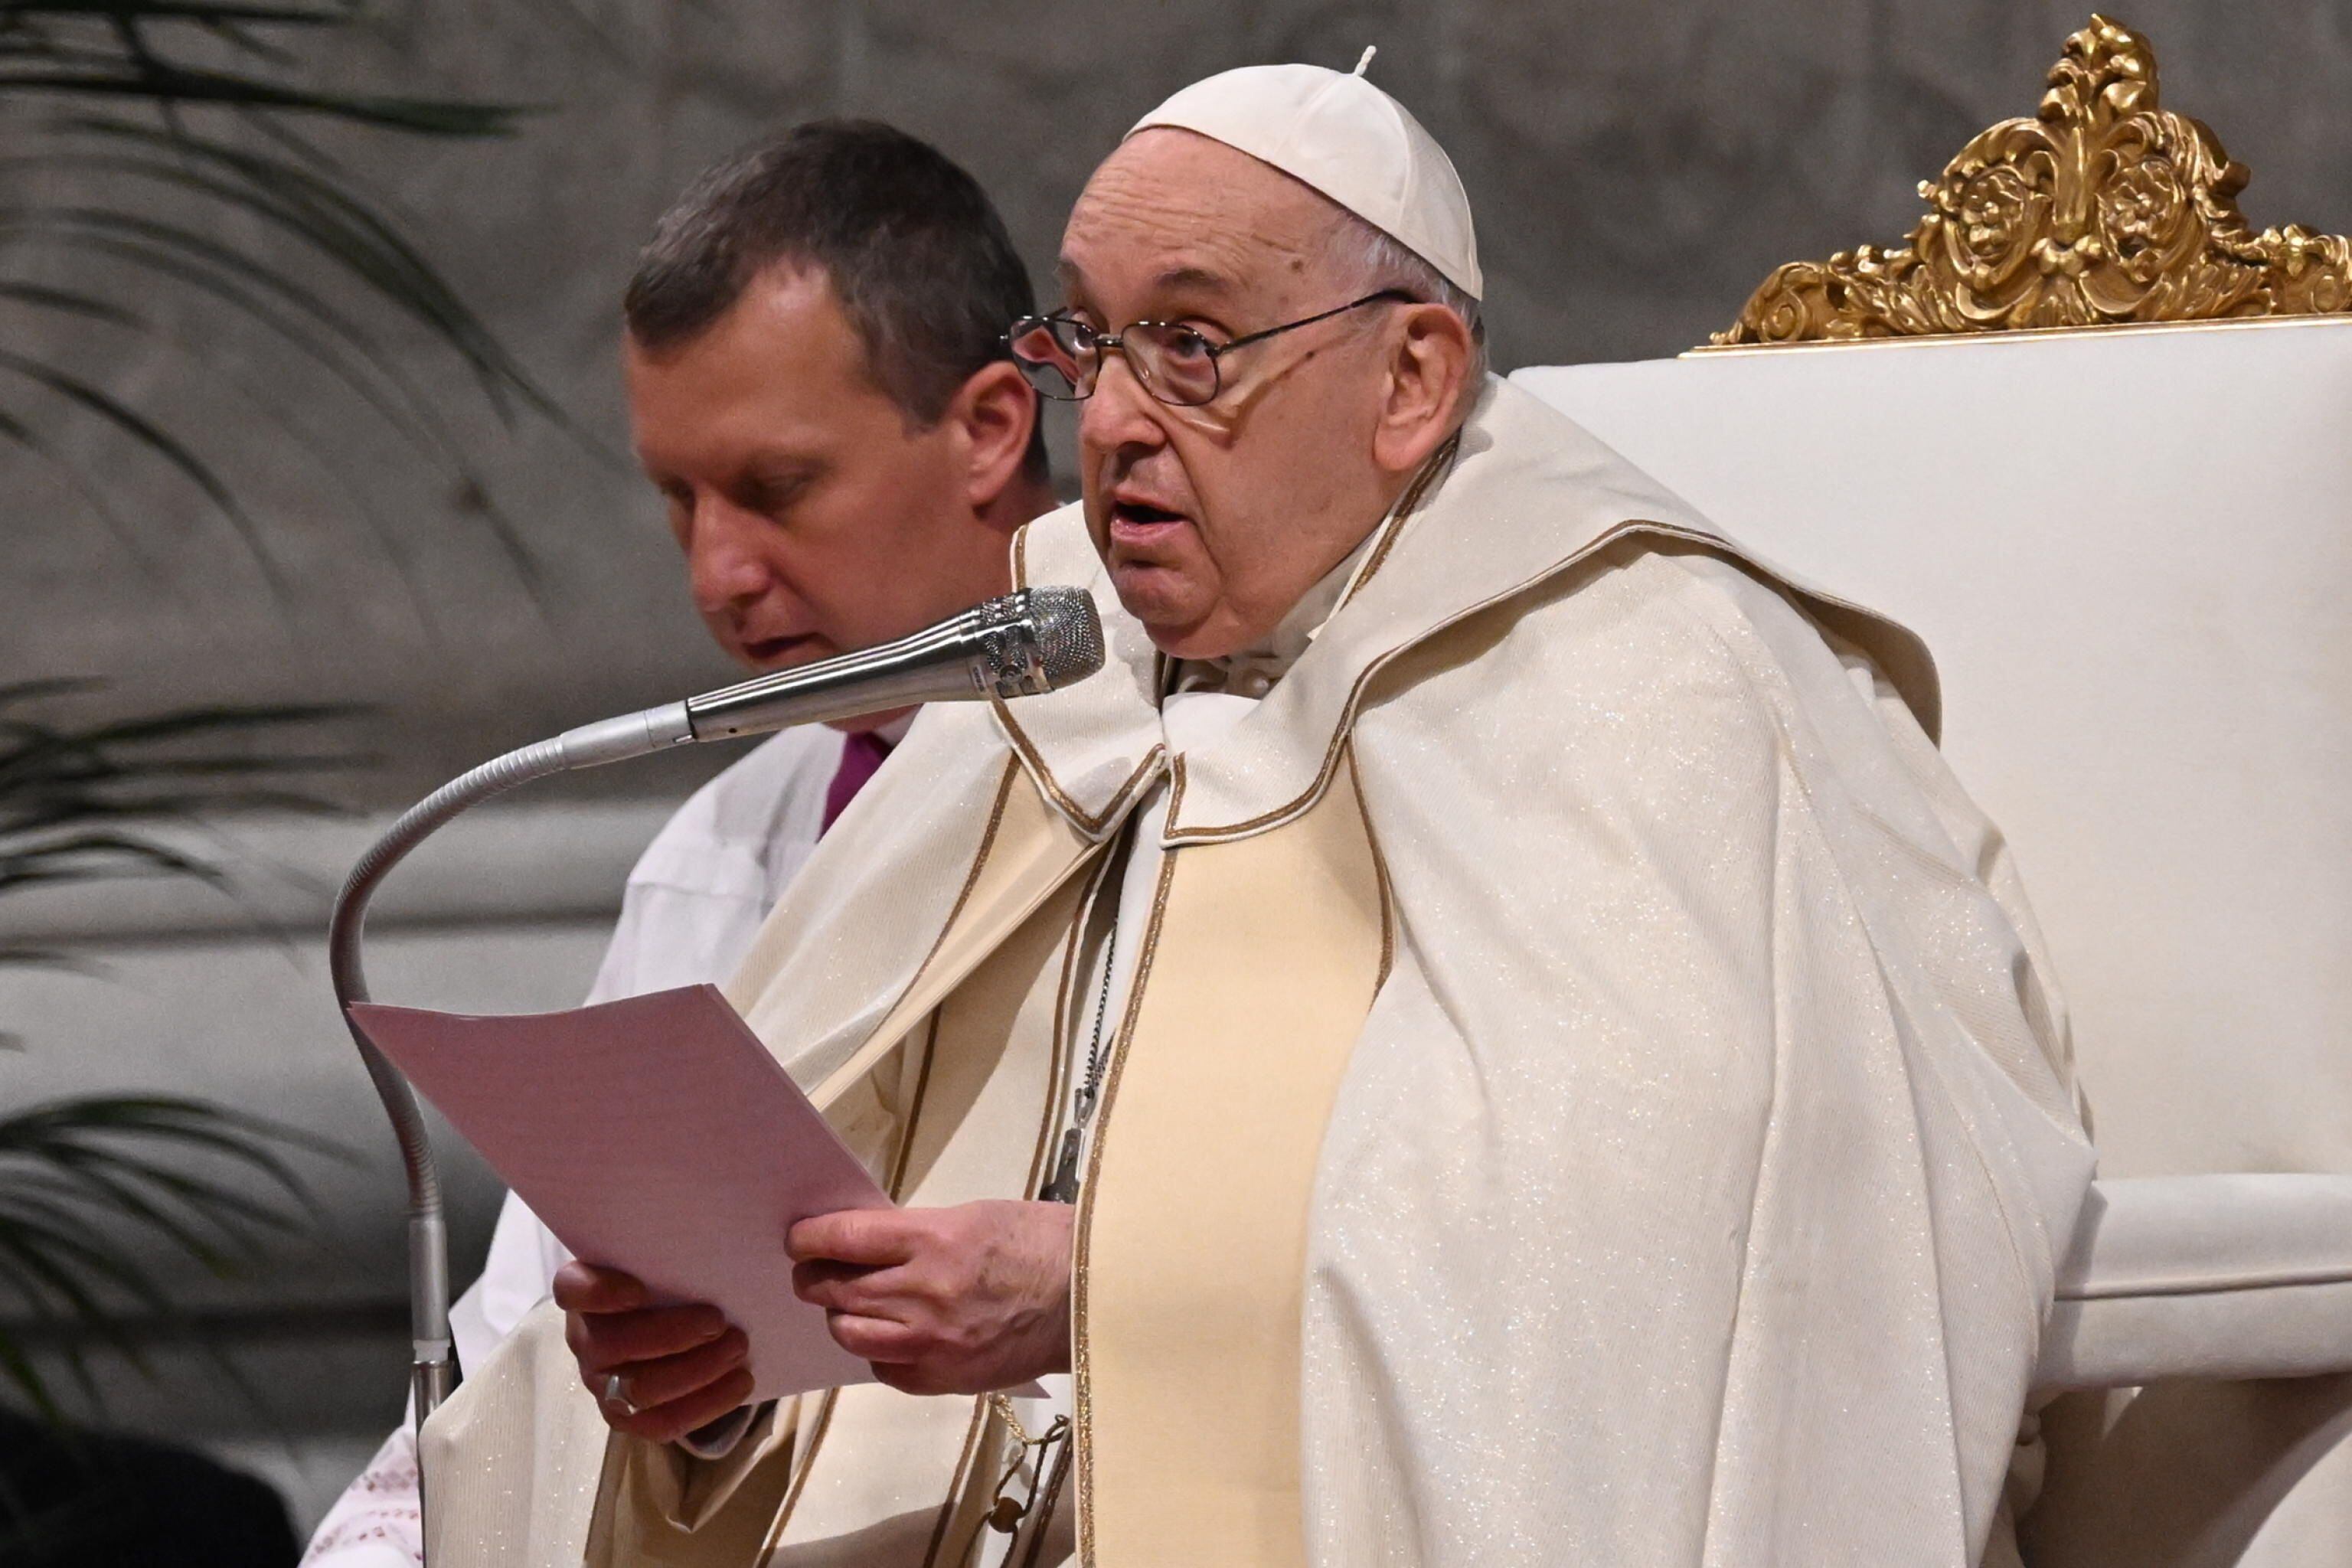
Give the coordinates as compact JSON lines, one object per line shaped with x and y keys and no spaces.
{"x":861,"y":755}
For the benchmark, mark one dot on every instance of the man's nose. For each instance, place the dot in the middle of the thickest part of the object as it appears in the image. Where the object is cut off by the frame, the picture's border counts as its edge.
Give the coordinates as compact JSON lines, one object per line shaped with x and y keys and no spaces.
{"x":724,"y":567}
{"x":1120,"y":412}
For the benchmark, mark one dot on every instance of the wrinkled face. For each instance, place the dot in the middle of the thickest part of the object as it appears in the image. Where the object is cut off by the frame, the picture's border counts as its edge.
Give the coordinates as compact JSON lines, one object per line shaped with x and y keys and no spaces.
{"x":814,"y":519}
{"x":1214,"y":520}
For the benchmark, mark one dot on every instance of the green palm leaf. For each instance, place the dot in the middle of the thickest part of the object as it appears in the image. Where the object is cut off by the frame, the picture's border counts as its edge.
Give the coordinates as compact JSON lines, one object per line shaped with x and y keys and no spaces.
{"x":165,"y":131}
{"x":82,"y":1179}
{"x":91,"y":1187}
{"x":160,"y":442}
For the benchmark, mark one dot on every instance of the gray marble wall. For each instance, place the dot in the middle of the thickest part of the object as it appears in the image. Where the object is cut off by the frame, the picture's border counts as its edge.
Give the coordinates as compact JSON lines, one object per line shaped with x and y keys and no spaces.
{"x":1636,"y":168}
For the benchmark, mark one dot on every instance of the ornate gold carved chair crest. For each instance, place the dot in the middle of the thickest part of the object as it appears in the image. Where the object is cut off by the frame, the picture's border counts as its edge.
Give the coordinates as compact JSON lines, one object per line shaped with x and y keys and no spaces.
{"x":2101,"y":208}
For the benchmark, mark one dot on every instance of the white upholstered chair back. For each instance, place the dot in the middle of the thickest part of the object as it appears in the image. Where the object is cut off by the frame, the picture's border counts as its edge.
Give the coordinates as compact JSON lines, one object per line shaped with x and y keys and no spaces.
{"x":2131,"y":551}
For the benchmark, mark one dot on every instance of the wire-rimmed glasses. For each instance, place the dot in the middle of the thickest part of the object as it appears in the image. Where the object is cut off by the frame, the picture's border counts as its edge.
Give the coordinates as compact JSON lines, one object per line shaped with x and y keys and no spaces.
{"x":1063,"y":357}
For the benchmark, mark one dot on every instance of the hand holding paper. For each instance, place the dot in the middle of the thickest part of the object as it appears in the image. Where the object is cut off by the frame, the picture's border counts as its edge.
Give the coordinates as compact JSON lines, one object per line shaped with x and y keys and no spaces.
{"x":944,"y":1300}
{"x":656,"y":1135}
{"x":669,"y":1152}
{"x":657,"y":1373}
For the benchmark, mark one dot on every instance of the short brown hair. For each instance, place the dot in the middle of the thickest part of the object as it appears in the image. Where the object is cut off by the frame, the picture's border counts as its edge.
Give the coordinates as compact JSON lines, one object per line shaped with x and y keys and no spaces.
{"x":912,"y":247}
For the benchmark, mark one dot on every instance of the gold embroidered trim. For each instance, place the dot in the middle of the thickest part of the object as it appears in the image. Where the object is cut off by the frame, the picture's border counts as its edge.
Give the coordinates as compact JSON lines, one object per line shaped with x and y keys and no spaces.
{"x":1439,"y":464}
{"x":1091,"y":824}
{"x":1064,"y":988}
{"x":1079,"y":1361}
{"x":807,"y":1462}
{"x":897,"y":1182}
{"x":1345,"y":729}
{"x":1441,"y":458}
{"x":2100,"y":208}
{"x":971,"y":877}
{"x":1058,"y":1079}
{"x":895,"y":1187}
{"x":800,"y":1481}
{"x":1175,"y":791}
{"x":957,"y":1479}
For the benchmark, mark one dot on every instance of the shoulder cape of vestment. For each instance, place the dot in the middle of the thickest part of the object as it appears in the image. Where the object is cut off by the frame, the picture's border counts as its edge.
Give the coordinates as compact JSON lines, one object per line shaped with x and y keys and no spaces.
{"x":1527,"y":495}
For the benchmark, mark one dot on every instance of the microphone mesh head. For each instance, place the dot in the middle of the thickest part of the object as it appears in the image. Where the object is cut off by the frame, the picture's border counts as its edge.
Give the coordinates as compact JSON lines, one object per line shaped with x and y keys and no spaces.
{"x":1069,"y":634}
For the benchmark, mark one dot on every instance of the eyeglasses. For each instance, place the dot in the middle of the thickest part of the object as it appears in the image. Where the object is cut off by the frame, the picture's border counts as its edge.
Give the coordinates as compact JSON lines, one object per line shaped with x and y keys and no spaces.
{"x":1178,"y":365}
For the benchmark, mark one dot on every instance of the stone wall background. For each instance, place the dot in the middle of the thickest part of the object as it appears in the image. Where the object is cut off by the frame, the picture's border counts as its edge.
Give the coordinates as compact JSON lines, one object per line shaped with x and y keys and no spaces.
{"x":1636,"y":168}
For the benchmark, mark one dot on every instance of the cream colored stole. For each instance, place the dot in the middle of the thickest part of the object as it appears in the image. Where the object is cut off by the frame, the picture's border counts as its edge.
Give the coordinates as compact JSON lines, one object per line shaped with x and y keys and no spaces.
{"x":1261,"y":960}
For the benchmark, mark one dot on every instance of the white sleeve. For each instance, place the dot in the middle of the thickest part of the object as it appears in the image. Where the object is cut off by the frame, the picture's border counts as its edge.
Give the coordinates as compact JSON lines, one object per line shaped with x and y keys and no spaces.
{"x":670,"y":936}
{"x":377,"y":1522}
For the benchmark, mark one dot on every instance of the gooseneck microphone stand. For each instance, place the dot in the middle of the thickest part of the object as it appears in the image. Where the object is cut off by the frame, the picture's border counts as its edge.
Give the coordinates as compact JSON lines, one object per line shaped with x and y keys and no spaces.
{"x":433,"y":1370}
{"x":1026,"y":643}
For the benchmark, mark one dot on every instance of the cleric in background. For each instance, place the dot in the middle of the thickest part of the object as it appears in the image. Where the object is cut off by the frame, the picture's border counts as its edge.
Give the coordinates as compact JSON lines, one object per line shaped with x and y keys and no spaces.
{"x":1544,"y":1062}
{"x":818,"y":388}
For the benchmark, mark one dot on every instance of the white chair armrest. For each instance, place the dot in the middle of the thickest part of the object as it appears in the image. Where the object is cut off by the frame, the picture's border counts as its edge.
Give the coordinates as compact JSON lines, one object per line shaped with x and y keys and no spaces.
{"x":2205,"y":1277}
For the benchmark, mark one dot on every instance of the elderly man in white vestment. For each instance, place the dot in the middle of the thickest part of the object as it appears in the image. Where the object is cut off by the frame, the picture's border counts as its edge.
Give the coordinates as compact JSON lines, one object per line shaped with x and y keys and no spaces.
{"x":1486,"y":1035}
{"x":813,"y":438}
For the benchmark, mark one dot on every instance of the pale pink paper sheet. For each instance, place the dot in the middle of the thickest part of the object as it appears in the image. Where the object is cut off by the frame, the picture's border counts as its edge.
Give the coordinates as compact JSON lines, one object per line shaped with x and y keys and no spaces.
{"x":656,"y":1135}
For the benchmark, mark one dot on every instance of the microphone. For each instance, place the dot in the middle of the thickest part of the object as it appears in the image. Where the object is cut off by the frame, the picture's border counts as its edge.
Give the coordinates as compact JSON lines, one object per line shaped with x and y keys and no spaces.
{"x":1022,"y":644}
{"x":1019,"y":645}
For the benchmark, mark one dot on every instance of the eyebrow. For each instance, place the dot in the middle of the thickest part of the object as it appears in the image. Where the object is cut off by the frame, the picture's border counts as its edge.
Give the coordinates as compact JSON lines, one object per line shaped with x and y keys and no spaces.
{"x":1194,"y":277}
{"x":768,"y":465}
{"x":1185,"y":274}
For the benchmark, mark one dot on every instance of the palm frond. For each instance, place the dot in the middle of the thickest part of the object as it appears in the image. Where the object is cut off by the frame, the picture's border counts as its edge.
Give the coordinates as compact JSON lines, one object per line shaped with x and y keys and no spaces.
{"x":82,"y":1180}
{"x":163,"y":444}
{"x":91,"y":1186}
{"x":129,"y":47}
{"x":18,"y":434}
{"x":321,"y":215}
{"x":159,"y":119}
{"x":75,"y":797}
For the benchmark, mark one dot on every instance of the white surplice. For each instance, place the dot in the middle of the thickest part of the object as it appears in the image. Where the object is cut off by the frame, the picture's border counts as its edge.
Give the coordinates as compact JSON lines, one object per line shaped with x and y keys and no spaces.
{"x":694,"y":901}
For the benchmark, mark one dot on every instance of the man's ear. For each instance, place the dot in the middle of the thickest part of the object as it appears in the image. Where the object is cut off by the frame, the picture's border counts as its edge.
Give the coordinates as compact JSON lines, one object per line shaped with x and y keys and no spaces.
{"x":1428,"y":378}
{"x":996,"y":409}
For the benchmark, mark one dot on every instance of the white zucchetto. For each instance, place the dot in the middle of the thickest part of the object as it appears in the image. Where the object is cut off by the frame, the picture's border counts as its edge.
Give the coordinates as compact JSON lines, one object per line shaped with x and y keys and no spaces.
{"x":1338,"y":134}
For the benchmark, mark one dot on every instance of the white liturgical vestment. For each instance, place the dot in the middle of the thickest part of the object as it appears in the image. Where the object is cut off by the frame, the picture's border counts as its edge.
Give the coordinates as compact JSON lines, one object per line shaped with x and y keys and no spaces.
{"x":693,"y":903}
{"x":1637,"y":1125}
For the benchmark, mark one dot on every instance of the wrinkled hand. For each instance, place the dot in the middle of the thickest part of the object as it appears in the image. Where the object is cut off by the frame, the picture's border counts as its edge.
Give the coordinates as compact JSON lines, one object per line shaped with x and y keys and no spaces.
{"x":943,"y":1301}
{"x":680,"y":1367}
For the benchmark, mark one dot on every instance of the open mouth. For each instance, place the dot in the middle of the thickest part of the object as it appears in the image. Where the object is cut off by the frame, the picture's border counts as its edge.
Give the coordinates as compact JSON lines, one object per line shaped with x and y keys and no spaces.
{"x":774,"y":651}
{"x":1142,"y":515}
